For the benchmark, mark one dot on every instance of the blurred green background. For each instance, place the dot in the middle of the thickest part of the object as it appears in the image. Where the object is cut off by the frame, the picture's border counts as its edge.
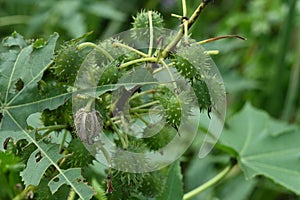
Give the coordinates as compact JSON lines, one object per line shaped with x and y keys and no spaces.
{"x":264,"y":69}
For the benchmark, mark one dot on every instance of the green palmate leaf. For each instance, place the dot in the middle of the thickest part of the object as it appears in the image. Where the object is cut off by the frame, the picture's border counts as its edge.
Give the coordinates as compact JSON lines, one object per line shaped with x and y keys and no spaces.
{"x":73,"y":178}
{"x":19,"y":84}
{"x":15,"y":135}
{"x":21,"y":69}
{"x":14,"y":40}
{"x":40,"y":161}
{"x":262,"y":150}
{"x":174,"y":186}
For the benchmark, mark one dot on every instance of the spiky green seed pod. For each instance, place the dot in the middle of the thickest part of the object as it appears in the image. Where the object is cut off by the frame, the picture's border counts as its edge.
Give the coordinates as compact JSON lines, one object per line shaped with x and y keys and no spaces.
{"x":172,"y":104}
{"x":183,"y":66}
{"x":194,"y":64}
{"x":153,"y":184}
{"x":124,"y":162}
{"x":137,"y":185}
{"x":191,"y":61}
{"x":67,"y":62}
{"x":141,"y":24}
{"x":142,"y":20}
{"x":110,"y":73}
{"x":80,"y":156}
{"x":161,"y":139}
{"x":173,"y":111}
{"x":203,"y":95}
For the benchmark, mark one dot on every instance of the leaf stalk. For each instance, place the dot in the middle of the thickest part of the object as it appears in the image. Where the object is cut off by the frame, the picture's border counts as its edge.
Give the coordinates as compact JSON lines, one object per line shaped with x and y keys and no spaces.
{"x":209,"y":183}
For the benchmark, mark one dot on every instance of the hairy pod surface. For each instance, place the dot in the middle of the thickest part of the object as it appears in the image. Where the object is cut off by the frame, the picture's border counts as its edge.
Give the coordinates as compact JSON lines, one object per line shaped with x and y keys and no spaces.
{"x":88,"y":125}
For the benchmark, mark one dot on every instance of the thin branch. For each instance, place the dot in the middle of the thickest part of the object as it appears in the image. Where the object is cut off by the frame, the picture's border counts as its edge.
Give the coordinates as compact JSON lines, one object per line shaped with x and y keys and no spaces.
{"x":177,"y":16}
{"x":124,"y":65}
{"x":151,"y":33}
{"x":51,"y":128}
{"x":212,"y":52}
{"x":221,"y":37}
{"x":130,"y":49}
{"x":180,"y":32}
{"x":170,"y":73}
{"x":209,"y":183}
{"x":185,"y":21}
{"x":61,"y":146}
{"x":98,"y":48}
{"x":145,"y":105}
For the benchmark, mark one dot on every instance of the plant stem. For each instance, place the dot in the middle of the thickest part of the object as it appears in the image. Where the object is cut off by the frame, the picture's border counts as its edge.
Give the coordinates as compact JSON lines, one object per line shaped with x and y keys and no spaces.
{"x":136,"y":95}
{"x":184,"y":10}
{"x":209,"y":183}
{"x":185,"y":21}
{"x":212,"y":52}
{"x":98,"y":48}
{"x":221,"y":37}
{"x":169,"y":71}
{"x":118,"y":44}
{"x":151,"y":33}
{"x":61,"y":146}
{"x":142,"y":119}
{"x":124,"y":65}
{"x":177,"y":16}
{"x":115,"y":128}
{"x":180,"y":33}
{"x":88,"y":106}
{"x":106,"y":154}
{"x":52,"y":128}
{"x":172,"y":44}
{"x":145,"y":105}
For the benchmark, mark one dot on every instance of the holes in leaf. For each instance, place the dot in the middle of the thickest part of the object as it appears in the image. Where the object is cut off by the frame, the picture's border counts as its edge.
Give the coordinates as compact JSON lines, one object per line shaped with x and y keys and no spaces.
{"x":56,"y":179}
{"x":80,"y":180}
{"x":38,"y":157}
{"x":5,"y":143}
{"x":19,"y":85}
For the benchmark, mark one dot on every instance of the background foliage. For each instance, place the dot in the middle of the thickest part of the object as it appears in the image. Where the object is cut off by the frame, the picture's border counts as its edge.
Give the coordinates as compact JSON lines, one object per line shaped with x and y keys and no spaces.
{"x":263,"y":71}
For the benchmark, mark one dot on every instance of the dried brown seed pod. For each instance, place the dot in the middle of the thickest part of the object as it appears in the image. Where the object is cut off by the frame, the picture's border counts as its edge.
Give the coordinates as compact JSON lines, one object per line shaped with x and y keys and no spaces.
{"x":88,"y":124}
